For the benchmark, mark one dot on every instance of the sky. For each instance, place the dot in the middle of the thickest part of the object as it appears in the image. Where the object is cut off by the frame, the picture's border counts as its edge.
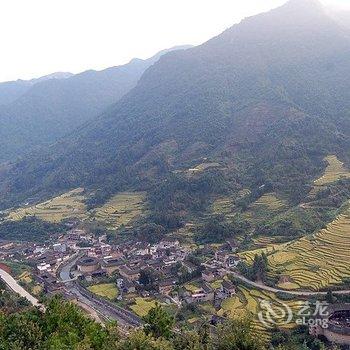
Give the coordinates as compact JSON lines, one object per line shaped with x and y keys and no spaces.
{"x":39,"y":37}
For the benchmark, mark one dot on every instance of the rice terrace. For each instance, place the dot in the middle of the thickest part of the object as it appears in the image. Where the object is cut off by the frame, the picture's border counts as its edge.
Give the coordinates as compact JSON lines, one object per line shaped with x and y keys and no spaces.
{"x":121,"y":209}
{"x":315,"y":262}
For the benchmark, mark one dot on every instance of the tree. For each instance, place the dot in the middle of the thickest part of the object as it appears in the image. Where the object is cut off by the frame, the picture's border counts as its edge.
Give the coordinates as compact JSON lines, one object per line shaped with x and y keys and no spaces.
{"x":260,"y":267}
{"x":330,"y":297}
{"x":159,"y":323}
{"x":188,"y":341}
{"x":141,"y":341}
{"x":237,"y":335}
{"x":147,"y":278}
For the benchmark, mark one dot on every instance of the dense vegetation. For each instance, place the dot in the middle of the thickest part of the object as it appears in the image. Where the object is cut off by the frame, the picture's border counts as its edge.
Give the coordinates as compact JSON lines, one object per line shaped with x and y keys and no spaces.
{"x":29,"y":229}
{"x":37,"y":113}
{"x":64,"y":326}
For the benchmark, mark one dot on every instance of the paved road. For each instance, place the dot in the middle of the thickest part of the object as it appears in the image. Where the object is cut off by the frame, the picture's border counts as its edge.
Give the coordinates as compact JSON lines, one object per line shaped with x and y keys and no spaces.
{"x":288,"y":292}
{"x":13,"y":284}
{"x":66,"y":267}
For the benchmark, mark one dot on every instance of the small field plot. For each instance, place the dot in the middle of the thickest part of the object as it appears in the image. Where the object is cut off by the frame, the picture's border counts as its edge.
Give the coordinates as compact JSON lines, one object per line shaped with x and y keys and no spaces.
{"x":315,"y":262}
{"x":68,"y":205}
{"x":121,"y":209}
{"x":25,"y":277}
{"x":204,"y":166}
{"x":142,"y":306}
{"x":106,"y":290}
{"x":269,"y":201}
{"x":334,"y":171}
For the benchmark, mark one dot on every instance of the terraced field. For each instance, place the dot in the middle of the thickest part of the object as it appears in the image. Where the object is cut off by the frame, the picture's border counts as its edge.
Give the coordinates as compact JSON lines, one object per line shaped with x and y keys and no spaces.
{"x":247,"y":302}
{"x":265,"y":241}
{"x":122,"y":209}
{"x":270,"y":201}
{"x":223,"y":206}
{"x":265,"y":207}
{"x":315,"y":262}
{"x":68,"y":205}
{"x":334,"y":171}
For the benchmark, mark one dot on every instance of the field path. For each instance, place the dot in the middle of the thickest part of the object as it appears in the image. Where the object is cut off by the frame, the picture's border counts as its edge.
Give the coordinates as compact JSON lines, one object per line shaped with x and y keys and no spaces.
{"x":288,"y":292}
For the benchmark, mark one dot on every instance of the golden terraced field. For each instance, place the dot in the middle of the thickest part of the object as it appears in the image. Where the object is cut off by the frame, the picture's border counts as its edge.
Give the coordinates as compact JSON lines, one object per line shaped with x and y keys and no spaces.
{"x":334,"y":171}
{"x":315,"y":262}
{"x":121,"y":209}
{"x":270,"y":201}
{"x":142,"y":306}
{"x":266,"y":206}
{"x":247,"y":302}
{"x":68,"y":205}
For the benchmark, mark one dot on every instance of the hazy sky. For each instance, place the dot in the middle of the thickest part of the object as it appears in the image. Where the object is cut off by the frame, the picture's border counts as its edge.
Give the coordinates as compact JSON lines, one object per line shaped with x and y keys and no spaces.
{"x":38,"y":37}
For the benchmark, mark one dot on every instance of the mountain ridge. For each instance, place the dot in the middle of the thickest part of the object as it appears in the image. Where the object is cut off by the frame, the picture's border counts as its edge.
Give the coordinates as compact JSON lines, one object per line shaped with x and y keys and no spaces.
{"x":267,"y":99}
{"x":47,"y":108}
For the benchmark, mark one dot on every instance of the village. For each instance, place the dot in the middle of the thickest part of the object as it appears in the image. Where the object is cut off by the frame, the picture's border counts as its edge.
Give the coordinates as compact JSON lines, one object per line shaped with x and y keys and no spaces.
{"x":167,"y":272}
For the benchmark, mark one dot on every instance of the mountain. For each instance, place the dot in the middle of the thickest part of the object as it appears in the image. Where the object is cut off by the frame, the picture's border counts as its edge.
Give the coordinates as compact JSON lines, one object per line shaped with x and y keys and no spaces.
{"x":56,"y":75}
{"x":38,"y":112}
{"x":266,"y":100}
{"x":11,"y":90}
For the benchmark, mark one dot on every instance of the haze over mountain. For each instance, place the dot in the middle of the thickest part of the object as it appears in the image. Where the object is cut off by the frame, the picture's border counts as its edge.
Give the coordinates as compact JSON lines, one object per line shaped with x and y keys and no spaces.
{"x":11,"y":90}
{"x":39,"y":111}
{"x":267,"y":100}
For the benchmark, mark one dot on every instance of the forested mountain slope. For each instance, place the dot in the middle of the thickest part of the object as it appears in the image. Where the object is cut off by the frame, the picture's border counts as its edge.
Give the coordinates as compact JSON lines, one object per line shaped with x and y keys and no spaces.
{"x":38,"y":112}
{"x":267,"y":100}
{"x":11,"y":90}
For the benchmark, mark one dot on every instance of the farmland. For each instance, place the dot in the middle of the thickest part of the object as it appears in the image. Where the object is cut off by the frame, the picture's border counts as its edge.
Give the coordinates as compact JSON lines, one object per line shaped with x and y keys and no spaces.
{"x":65,"y":206}
{"x":265,"y":207}
{"x":106,"y":290}
{"x":269,"y":201}
{"x":247,"y":301}
{"x":121,"y":209}
{"x":315,"y":262}
{"x":142,"y":306}
{"x":223,"y":206}
{"x":334,"y":171}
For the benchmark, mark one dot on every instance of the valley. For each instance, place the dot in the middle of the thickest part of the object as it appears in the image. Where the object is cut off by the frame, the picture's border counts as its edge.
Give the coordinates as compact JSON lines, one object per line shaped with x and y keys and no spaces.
{"x":194,"y":198}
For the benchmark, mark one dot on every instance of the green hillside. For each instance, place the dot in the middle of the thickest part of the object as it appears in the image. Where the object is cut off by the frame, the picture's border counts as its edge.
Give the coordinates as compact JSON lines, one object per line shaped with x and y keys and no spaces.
{"x":38,"y":112}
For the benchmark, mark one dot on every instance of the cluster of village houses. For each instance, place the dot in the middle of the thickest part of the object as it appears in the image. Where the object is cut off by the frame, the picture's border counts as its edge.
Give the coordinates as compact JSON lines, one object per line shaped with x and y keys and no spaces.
{"x":126,"y":261}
